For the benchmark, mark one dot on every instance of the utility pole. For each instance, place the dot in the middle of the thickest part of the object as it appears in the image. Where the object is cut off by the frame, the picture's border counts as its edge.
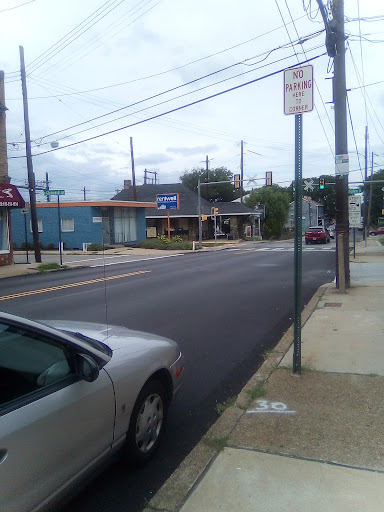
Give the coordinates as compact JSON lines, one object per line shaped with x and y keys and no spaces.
{"x":341,"y":145}
{"x":84,"y":193}
{"x":365,"y":210}
{"x":133,"y":173}
{"x":241,"y":171}
{"x":3,"y":134}
{"x":31,"y":176}
{"x":145,"y":176}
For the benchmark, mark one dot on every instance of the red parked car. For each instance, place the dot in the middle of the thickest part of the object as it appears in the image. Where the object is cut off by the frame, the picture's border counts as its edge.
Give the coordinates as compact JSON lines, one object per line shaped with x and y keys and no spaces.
{"x":378,"y":231}
{"x":317,"y":235}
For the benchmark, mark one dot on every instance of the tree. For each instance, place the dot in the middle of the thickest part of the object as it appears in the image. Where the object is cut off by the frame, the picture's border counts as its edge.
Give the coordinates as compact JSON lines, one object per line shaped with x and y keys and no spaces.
{"x":276,"y":201}
{"x":377,"y":204}
{"x":326,"y":197}
{"x":221,"y":192}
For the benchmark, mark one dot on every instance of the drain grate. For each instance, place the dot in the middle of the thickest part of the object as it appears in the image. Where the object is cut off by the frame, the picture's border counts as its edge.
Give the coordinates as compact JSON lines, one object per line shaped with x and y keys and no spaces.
{"x":332,"y":305}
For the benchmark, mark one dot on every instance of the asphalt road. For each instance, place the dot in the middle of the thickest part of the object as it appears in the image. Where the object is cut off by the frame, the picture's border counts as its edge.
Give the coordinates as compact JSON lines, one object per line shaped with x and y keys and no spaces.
{"x":224,"y":308}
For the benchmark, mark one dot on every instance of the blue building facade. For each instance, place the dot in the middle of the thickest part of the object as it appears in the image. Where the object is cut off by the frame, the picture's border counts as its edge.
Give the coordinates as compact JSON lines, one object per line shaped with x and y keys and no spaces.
{"x":85,"y":222}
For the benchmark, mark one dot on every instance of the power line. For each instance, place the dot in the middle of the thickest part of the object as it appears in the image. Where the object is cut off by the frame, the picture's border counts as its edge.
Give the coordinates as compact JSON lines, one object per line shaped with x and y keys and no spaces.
{"x":69,"y":59}
{"x":17,"y":6}
{"x":165,"y":92}
{"x":173,"y":110}
{"x":66,"y":40}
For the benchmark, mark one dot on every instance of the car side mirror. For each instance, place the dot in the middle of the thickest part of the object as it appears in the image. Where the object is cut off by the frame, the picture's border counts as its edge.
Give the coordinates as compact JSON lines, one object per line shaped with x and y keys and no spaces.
{"x":86,"y":368}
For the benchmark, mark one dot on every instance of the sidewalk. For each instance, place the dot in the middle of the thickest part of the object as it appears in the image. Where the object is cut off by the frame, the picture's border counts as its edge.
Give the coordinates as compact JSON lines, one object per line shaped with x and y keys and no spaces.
{"x":313,"y":442}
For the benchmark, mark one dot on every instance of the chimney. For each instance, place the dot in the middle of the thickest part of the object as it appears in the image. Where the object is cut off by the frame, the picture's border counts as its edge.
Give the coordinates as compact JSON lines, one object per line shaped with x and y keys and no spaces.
{"x":127,"y":184}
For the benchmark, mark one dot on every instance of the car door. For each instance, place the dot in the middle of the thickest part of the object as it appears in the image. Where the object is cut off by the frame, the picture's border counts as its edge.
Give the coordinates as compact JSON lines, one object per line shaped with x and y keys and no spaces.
{"x":53,"y":426}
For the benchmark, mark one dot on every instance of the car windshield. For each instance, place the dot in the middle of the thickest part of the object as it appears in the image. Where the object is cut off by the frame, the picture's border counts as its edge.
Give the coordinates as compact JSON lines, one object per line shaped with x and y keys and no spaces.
{"x":315,"y":230}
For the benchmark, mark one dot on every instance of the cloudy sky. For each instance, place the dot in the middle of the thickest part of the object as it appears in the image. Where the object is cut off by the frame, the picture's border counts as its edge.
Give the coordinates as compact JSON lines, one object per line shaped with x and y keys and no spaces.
{"x":106,"y":67}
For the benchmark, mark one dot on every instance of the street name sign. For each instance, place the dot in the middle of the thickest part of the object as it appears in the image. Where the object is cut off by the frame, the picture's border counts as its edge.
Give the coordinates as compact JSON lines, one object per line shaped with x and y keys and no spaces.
{"x":298,"y":90}
{"x":54,"y":192}
{"x":167,"y":201}
{"x":354,"y":211}
{"x":353,"y":191}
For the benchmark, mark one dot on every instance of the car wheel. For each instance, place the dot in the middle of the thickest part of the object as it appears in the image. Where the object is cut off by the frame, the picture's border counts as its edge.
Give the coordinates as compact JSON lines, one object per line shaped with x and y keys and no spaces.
{"x":147,"y":423}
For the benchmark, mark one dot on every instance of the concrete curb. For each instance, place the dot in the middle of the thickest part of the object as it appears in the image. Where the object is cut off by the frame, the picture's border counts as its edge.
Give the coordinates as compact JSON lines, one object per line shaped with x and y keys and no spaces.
{"x":176,"y":490}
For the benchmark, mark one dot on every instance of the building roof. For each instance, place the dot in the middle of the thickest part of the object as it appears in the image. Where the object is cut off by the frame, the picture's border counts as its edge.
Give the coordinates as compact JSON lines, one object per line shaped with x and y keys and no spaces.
{"x":187,"y":198}
{"x":120,"y":204}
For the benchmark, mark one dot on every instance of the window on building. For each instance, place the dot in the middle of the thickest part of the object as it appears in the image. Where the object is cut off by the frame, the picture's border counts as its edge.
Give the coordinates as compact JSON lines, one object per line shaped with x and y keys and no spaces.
{"x":4,"y":236}
{"x":125,"y":225}
{"x":67,"y":224}
{"x":39,"y":225}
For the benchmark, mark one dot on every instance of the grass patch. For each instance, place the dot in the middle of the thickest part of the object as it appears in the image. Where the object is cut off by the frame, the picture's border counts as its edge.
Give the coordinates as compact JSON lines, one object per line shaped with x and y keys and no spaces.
{"x":47,"y":267}
{"x":269,"y":352}
{"x":221,"y":407}
{"x":257,"y":391}
{"x":218,"y":443}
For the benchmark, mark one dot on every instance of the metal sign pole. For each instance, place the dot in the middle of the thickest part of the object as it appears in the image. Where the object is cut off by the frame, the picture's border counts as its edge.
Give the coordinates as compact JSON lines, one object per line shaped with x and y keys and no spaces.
{"x":26,"y":236}
{"x":298,"y":242}
{"x":199,"y":214}
{"x":58,"y":214}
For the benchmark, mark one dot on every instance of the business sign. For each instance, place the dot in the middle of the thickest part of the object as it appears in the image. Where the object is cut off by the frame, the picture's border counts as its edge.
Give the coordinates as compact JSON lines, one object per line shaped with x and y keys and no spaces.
{"x":298,"y":90}
{"x":167,"y":201}
{"x":54,"y":192}
{"x":10,"y":196}
{"x":354,"y":211}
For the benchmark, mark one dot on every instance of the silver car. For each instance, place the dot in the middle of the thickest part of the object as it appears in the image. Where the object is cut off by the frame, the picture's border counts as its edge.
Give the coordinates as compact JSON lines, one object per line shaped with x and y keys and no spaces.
{"x":71,"y":395}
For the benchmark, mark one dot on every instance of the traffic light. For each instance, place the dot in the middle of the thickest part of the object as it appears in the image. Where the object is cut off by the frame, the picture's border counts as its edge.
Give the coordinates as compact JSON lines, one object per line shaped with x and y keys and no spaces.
{"x":237,"y":180}
{"x":204,"y":217}
{"x":321,"y":183}
{"x":293,"y":186}
{"x":268,"y":178}
{"x":215,"y":211}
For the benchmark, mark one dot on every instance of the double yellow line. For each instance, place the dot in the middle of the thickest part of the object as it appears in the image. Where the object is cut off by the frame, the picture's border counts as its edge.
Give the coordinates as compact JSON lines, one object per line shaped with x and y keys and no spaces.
{"x":72,"y":285}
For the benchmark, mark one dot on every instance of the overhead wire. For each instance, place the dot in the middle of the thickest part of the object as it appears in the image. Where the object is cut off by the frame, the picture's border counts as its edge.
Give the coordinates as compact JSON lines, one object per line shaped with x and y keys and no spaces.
{"x":70,"y":60}
{"x":74,"y":34}
{"x":317,"y":88}
{"x":170,"y":90}
{"x":175,"y":109}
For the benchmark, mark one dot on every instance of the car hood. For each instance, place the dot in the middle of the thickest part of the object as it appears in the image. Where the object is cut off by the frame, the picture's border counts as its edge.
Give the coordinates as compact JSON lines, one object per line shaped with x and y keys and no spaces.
{"x":116,"y":337}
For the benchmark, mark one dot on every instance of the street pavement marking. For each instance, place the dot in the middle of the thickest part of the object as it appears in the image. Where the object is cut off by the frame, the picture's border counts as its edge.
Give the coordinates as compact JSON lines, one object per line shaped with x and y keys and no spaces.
{"x":283,"y":249}
{"x":71,"y":285}
{"x":135,"y":261}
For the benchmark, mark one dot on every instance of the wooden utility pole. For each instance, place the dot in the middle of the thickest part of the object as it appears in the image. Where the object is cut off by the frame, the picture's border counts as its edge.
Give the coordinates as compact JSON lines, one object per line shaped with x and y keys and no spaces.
{"x":31,"y":176}
{"x":241,"y":171}
{"x":3,"y":134}
{"x":133,"y":173}
{"x":341,"y":142}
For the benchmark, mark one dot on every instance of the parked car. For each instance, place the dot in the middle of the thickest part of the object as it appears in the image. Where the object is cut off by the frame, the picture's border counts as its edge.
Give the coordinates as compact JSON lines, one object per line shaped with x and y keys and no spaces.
{"x":317,"y":234}
{"x":378,"y":231}
{"x":73,"y":394}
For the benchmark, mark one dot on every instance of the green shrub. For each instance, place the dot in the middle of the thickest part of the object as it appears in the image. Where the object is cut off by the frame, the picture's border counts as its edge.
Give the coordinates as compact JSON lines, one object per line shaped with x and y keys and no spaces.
{"x":165,"y":244}
{"x":94,"y":247}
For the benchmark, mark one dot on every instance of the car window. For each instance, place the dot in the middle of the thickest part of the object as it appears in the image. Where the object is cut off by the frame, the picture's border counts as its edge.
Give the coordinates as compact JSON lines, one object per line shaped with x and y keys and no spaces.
{"x":315,"y":230}
{"x":29,"y":362}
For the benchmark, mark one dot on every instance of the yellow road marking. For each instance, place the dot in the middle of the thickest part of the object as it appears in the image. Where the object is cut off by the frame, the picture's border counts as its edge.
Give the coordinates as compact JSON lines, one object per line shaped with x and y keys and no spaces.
{"x":72,"y":285}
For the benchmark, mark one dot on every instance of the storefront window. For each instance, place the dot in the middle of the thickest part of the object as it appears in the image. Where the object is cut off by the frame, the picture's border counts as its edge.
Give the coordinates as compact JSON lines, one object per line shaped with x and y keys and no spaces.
{"x":4,"y":237}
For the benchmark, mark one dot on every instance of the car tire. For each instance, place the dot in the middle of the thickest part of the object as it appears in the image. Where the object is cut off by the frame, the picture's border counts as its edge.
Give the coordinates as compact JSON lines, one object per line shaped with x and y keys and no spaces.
{"x":147,"y":424}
